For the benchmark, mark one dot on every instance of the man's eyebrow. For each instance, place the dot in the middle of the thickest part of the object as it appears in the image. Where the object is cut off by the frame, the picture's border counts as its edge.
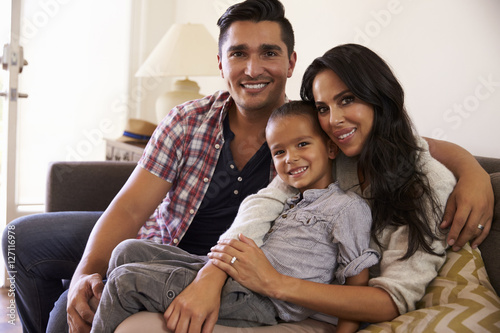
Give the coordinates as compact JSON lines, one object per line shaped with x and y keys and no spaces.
{"x":238,"y":47}
{"x":271,"y":47}
{"x":264,"y":47}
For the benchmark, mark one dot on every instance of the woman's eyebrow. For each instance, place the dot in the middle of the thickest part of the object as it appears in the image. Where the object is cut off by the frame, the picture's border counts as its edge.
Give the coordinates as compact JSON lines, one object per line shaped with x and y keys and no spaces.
{"x":340,"y":94}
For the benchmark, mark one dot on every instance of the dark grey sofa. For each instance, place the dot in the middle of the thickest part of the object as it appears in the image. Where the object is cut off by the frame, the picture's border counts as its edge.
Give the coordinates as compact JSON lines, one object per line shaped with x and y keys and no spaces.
{"x":90,"y":186}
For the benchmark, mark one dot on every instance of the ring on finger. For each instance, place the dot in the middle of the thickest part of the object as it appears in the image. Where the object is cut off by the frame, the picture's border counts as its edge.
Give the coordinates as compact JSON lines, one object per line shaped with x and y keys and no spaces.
{"x":233,"y":260}
{"x":480,"y":227}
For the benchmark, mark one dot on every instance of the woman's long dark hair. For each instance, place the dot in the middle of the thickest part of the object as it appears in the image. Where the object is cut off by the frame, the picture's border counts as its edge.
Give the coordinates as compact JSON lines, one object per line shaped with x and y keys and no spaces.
{"x":400,"y":192}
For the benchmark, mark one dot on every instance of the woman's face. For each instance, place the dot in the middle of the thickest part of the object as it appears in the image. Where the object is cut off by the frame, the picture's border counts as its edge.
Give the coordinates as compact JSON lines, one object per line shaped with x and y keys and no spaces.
{"x":345,"y":118}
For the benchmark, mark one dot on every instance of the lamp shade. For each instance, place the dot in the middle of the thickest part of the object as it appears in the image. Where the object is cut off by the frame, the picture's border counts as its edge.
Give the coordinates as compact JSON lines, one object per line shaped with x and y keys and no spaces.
{"x":185,"y":50}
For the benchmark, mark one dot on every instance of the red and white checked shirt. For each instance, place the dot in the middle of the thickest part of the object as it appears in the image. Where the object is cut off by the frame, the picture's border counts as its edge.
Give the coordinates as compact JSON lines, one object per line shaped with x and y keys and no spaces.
{"x":184,"y":151}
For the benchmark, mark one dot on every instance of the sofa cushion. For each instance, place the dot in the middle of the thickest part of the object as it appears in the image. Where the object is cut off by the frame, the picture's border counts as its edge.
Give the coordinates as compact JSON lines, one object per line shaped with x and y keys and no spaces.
{"x":489,"y":247}
{"x":460,"y":299}
{"x":154,"y":323}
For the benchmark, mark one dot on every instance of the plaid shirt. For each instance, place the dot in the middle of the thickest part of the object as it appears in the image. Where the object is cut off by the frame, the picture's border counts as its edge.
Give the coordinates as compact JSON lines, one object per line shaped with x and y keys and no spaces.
{"x":184,"y":151}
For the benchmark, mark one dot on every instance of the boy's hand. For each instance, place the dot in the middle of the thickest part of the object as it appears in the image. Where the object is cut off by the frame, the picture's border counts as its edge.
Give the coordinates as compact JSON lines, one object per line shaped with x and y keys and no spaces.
{"x":196,"y":308}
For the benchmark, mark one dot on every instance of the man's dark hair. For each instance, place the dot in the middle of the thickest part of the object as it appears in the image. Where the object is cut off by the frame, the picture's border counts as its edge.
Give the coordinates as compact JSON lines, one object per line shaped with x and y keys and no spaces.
{"x":257,"y":11}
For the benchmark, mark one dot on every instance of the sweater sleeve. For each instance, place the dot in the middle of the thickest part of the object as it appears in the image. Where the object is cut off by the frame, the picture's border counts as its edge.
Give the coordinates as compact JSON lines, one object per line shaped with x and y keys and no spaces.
{"x":258,"y":211}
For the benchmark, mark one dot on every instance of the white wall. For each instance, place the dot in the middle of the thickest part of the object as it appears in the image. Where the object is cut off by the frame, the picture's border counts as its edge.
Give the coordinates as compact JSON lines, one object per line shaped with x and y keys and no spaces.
{"x":446,"y":53}
{"x":77,"y":81}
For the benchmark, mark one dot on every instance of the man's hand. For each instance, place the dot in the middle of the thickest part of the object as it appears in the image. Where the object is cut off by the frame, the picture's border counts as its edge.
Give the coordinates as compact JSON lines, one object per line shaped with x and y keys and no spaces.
{"x":196,"y":308}
{"x":80,"y":314}
{"x":469,"y":206}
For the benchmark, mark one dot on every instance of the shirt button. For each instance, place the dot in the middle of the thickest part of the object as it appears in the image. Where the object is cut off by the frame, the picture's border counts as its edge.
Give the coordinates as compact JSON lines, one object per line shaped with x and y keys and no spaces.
{"x":217,"y":146}
{"x":176,"y":241}
{"x":191,"y":211}
{"x":284,"y":216}
{"x":236,"y":192}
{"x":205,"y":180}
{"x":231,"y":166}
{"x":292,"y":205}
{"x":240,"y":179}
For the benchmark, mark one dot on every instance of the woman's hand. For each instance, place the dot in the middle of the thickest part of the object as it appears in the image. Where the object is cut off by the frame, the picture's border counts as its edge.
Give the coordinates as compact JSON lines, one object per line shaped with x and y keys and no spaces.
{"x":469,"y":206}
{"x":469,"y":209}
{"x":250,"y":268}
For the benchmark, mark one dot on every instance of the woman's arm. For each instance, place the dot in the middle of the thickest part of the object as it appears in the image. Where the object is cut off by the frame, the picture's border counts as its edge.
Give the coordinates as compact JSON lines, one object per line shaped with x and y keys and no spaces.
{"x":472,"y":200}
{"x":253,"y":270}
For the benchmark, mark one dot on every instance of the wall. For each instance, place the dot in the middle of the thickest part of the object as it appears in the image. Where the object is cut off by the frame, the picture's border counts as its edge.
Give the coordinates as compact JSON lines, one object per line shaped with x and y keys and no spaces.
{"x":77,"y":81}
{"x":445,"y":53}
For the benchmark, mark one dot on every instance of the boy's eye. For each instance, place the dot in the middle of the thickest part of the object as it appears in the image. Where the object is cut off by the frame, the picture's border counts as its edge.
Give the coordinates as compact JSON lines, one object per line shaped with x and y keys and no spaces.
{"x":278,"y":152}
{"x":303,"y":144}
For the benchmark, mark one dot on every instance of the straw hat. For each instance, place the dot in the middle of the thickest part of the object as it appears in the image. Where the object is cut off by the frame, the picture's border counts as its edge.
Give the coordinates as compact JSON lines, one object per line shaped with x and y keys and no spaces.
{"x":137,"y":131}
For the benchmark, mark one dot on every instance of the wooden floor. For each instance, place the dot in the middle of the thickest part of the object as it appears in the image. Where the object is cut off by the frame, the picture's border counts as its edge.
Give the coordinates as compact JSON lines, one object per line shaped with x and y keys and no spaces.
{"x":9,"y":320}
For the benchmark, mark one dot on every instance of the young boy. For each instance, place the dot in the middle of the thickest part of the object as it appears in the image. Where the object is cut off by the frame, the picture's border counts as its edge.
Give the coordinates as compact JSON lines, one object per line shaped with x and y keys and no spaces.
{"x":322,"y":235}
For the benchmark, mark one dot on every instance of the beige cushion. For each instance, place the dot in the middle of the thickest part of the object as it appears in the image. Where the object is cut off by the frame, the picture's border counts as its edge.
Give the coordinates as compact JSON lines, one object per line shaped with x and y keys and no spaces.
{"x":460,"y":299}
{"x":154,"y":323}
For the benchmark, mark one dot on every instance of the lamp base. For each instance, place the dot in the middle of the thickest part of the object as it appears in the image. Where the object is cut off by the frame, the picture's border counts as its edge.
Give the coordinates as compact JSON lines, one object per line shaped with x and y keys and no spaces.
{"x":182,"y":91}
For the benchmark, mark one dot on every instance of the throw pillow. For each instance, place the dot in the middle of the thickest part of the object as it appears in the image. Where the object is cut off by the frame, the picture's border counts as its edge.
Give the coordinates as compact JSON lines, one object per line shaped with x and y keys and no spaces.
{"x":459,"y":299}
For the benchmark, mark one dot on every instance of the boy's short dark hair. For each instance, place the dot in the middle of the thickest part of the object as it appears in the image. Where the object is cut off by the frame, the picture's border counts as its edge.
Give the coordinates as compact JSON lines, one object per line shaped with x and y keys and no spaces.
{"x":257,"y":11}
{"x":298,"y":108}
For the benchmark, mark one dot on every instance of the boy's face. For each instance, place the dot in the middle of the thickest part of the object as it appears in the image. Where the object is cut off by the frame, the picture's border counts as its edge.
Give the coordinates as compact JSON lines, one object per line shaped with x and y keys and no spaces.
{"x":301,"y":155}
{"x":254,"y":63}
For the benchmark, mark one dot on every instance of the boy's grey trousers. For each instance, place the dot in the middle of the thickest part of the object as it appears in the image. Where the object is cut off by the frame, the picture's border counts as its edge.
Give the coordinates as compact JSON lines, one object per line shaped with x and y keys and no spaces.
{"x":145,"y":276}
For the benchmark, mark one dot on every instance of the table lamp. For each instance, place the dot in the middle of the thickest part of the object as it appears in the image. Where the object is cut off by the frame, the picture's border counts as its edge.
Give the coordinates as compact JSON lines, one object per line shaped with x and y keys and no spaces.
{"x":185,"y":50}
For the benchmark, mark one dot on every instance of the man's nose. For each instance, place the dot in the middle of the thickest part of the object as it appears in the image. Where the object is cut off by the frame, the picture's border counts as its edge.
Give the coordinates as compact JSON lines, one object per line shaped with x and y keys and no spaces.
{"x":254,"y":67}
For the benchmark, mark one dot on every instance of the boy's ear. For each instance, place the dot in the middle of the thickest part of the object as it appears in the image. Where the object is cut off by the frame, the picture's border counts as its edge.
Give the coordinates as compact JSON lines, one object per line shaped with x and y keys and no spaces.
{"x":333,"y":149}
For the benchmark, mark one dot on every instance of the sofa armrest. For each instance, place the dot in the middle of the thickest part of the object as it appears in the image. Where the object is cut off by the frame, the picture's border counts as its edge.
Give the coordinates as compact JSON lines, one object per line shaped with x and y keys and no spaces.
{"x":85,"y":186}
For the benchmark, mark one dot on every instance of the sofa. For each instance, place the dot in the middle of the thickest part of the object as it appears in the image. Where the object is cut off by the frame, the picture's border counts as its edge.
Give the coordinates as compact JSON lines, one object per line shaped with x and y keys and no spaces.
{"x":463,"y":298}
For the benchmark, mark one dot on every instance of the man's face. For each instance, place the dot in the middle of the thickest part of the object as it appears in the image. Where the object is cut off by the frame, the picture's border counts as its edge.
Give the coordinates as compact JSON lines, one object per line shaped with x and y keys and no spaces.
{"x":255,"y":65}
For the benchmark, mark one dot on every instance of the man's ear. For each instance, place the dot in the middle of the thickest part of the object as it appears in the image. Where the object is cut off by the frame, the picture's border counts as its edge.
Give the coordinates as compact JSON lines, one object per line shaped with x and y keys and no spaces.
{"x":333,"y":149}
{"x":291,"y":64}
{"x":219,"y":62}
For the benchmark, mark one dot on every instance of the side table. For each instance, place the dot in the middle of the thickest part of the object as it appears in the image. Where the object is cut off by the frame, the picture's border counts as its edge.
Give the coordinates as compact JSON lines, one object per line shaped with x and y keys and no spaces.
{"x":121,"y":151}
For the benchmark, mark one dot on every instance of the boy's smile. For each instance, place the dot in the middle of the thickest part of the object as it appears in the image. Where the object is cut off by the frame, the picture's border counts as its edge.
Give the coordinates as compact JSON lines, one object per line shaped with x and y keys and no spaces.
{"x":301,"y":155}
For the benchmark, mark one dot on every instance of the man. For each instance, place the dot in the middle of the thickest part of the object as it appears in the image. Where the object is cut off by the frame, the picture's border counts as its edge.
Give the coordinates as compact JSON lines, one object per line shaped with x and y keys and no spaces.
{"x":200,"y":164}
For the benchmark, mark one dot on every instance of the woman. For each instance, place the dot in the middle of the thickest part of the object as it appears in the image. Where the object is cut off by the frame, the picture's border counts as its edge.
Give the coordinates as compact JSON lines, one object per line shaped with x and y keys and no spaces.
{"x":360,"y":106}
